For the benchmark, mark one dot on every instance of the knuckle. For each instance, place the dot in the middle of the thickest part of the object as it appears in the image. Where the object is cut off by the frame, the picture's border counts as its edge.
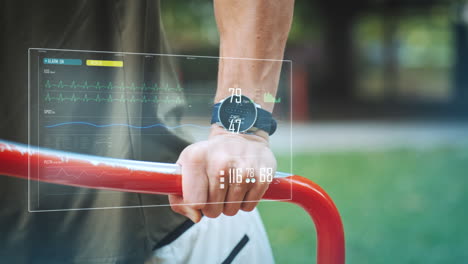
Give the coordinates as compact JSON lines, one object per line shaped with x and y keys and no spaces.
{"x":231,"y":209}
{"x":212,"y":212}
{"x":248,"y":207}
{"x":230,"y":212}
{"x":220,"y":163}
{"x":193,"y":154}
{"x":261,"y":186}
{"x":217,"y":170}
{"x":238,"y":189}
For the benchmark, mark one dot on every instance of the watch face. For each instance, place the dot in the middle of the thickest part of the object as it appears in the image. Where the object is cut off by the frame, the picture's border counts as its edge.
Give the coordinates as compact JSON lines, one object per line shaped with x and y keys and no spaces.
{"x":237,"y":113}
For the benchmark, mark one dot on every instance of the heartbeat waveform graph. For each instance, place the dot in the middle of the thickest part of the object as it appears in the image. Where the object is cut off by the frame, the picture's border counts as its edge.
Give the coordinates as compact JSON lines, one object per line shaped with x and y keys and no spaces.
{"x":125,"y":125}
{"x":60,"y":98}
{"x":110,"y":86}
{"x":62,"y":172}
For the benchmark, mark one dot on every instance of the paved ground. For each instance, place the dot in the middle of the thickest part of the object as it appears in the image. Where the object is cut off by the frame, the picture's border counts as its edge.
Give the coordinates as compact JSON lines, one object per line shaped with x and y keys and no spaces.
{"x":352,"y":136}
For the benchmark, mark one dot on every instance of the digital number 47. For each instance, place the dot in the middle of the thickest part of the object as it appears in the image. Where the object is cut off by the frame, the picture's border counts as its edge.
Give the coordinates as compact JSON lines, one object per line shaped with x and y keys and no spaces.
{"x":233,"y":123}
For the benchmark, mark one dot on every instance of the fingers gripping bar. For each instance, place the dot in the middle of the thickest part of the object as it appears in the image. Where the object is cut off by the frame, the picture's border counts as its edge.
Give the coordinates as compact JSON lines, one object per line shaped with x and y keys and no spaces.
{"x":25,"y":162}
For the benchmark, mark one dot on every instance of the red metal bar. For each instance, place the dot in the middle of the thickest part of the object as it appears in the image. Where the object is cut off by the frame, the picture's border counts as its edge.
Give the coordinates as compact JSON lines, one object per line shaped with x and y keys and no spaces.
{"x":141,"y":177}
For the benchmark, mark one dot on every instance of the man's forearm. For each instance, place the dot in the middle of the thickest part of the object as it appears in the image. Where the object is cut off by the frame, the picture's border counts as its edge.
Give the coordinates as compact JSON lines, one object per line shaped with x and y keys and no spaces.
{"x":255,"y":29}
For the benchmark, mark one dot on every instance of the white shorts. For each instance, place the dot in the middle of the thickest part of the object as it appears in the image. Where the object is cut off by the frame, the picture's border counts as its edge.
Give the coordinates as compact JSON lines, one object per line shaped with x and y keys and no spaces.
{"x":226,"y":239}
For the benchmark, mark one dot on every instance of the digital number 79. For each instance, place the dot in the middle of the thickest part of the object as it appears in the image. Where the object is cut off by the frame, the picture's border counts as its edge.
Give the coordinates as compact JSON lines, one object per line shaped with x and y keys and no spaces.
{"x":236,"y":92}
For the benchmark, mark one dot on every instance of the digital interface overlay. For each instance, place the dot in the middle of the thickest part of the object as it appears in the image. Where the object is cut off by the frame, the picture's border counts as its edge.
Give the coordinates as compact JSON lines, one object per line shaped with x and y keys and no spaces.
{"x":131,"y":106}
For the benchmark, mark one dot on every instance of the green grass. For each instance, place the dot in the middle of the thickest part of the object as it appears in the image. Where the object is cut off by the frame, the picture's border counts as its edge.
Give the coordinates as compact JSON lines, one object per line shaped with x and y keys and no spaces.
{"x":401,"y":206}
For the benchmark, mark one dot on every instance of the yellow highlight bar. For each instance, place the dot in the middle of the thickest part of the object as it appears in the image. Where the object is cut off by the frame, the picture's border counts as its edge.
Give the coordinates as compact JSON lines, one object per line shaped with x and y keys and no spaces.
{"x":104,"y":63}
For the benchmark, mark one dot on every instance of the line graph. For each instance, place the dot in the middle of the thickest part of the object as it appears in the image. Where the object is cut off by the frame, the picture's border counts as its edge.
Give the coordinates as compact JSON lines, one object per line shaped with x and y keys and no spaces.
{"x":62,"y":172}
{"x":85,"y":85}
{"x":61,"y":98}
{"x":125,"y":125}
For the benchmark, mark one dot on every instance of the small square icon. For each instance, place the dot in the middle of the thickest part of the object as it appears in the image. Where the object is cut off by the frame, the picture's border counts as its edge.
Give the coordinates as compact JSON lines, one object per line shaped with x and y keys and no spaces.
{"x":221,"y":186}
{"x":221,"y":179}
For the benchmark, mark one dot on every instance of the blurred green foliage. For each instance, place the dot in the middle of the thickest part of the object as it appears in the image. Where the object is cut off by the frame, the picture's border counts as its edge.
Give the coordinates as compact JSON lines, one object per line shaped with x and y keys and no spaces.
{"x":190,"y":24}
{"x":401,"y":206}
{"x":423,"y":54}
{"x":423,"y":38}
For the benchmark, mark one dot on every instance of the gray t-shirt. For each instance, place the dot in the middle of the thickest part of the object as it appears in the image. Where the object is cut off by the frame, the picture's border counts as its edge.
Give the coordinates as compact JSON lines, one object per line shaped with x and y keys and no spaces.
{"x":88,"y":236}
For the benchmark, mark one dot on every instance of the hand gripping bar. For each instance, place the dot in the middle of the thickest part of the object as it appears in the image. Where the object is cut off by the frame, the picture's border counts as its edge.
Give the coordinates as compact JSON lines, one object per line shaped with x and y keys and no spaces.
{"x":25,"y":162}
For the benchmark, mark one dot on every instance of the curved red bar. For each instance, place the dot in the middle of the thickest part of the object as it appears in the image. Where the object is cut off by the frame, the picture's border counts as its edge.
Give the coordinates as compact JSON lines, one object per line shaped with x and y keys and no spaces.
{"x":14,"y":160}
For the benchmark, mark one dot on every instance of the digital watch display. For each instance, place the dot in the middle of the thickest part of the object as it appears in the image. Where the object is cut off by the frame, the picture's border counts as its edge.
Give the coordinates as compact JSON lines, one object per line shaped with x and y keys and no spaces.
{"x":237,"y":113}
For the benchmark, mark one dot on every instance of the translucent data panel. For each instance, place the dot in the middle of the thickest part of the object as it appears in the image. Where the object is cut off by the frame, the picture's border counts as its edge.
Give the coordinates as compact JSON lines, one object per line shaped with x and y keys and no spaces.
{"x":145,"y":107}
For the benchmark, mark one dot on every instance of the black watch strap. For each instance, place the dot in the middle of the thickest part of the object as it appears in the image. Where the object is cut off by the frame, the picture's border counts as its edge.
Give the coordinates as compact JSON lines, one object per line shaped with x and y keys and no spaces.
{"x":214,"y":113}
{"x":265,"y":120}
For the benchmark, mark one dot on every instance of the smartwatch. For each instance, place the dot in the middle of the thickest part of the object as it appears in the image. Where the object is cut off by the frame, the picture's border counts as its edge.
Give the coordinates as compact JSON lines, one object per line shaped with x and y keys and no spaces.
{"x":239,"y":114}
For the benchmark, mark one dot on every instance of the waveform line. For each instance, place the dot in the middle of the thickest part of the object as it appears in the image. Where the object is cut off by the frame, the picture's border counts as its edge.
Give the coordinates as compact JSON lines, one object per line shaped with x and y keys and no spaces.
{"x":111,"y":86}
{"x":127,"y":125}
{"x":109,"y":99}
{"x":63,"y":172}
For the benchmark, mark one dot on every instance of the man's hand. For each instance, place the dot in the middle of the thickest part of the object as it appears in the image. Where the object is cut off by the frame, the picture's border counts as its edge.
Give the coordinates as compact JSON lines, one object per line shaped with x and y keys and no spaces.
{"x":202,"y":164}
